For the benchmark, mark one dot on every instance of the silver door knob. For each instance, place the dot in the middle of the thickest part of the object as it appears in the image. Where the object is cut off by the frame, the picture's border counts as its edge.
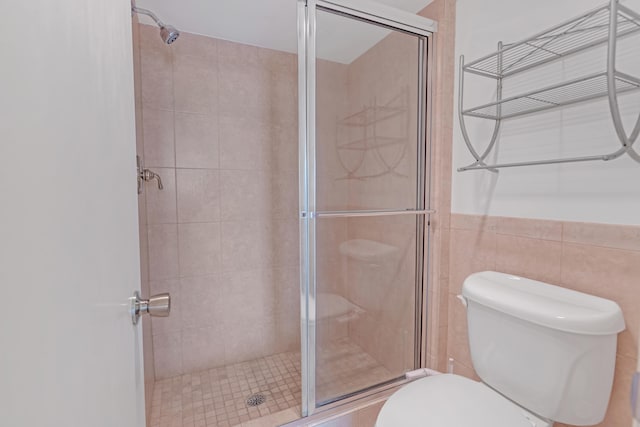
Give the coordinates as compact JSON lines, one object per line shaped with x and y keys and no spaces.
{"x":158,"y":305}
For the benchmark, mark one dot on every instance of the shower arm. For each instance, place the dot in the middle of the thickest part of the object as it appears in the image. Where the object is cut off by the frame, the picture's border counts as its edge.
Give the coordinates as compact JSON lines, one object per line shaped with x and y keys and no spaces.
{"x":168,"y":33}
{"x":150,"y":14}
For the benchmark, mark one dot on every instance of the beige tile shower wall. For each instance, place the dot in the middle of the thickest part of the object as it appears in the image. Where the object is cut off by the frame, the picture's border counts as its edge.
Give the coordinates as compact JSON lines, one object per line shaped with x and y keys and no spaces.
{"x":384,"y":76}
{"x":220,"y":128}
{"x":598,"y":259}
{"x":147,"y":343}
{"x":331,"y":194}
{"x":332,"y":104}
{"x":378,"y":76}
{"x":384,"y":289}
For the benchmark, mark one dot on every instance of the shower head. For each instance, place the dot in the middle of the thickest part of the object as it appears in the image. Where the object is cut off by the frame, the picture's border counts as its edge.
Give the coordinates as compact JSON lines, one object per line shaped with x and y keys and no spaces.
{"x":168,"y":33}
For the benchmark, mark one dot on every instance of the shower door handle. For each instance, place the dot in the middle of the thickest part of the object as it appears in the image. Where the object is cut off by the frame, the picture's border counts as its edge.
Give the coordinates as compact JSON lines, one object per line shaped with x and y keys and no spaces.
{"x":158,"y":305}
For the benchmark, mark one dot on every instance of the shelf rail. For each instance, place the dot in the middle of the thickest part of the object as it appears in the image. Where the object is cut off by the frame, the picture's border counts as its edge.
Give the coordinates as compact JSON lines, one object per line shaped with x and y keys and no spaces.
{"x":605,"y":24}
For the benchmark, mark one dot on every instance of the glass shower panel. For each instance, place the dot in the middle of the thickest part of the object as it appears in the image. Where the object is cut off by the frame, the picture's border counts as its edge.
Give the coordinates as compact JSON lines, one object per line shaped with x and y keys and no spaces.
{"x":369,"y":159}
{"x":367,"y":90}
{"x":365,"y":299}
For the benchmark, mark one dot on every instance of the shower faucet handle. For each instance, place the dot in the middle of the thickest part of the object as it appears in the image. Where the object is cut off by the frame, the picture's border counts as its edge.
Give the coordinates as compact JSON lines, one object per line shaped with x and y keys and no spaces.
{"x":146,"y":175}
{"x":149,"y":175}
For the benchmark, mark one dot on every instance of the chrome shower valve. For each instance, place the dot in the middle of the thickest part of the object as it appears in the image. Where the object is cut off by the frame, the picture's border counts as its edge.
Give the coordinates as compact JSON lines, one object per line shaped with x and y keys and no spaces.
{"x":146,"y":175}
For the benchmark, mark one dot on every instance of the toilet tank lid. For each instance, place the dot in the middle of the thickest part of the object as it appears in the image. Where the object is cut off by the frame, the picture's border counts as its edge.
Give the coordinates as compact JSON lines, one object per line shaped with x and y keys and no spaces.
{"x":544,"y":304}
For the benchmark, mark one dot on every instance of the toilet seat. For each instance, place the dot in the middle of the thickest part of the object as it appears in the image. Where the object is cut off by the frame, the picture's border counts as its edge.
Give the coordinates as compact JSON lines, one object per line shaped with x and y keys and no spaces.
{"x":453,"y":401}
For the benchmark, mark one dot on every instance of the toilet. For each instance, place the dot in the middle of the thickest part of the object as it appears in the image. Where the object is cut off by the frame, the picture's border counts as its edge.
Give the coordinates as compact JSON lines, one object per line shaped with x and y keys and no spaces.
{"x":545,"y":354}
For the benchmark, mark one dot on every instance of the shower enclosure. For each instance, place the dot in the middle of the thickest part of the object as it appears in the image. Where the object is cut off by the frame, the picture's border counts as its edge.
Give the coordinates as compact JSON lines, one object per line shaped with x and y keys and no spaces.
{"x":364,"y":199}
{"x":290,"y":227}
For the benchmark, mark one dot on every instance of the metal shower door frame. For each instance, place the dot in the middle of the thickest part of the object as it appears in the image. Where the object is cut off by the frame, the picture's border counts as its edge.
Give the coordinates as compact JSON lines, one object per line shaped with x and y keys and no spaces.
{"x":393,"y":19}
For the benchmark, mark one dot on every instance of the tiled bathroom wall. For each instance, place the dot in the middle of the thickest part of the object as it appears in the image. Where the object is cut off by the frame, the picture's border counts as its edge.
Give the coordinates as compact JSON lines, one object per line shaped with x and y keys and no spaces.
{"x":599,"y":259}
{"x":384,"y":81}
{"x":220,"y":128}
{"x":331,"y":194}
{"x":351,"y":303}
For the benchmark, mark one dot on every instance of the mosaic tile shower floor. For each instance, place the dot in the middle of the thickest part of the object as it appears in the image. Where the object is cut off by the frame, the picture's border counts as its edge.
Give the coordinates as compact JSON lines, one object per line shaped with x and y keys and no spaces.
{"x":218,"y":397}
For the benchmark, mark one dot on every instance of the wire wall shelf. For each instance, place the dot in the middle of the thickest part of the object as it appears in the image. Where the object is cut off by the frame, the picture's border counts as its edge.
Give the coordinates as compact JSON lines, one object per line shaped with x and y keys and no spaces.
{"x":604,"y":25}
{"x":583,"y":89}
{"x":586,"y":31}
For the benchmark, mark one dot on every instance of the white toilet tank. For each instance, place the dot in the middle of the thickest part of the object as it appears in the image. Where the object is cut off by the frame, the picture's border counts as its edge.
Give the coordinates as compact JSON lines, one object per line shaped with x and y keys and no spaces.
{"x":549,"y":349}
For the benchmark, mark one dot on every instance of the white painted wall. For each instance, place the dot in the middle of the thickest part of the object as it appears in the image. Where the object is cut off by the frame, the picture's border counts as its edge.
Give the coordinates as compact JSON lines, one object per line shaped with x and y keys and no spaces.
{"x":604,"y":192}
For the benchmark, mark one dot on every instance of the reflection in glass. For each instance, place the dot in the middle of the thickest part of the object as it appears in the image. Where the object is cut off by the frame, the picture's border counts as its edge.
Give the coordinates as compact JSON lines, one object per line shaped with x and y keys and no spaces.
{"x":367,"y":108}
{"x":367,"y":158}
{"x":365,"y":303}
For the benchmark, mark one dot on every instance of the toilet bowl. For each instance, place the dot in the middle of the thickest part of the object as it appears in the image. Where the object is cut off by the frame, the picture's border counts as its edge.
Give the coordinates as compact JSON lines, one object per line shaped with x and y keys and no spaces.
{"x":453,"y":401}
{"x":544,"y":354}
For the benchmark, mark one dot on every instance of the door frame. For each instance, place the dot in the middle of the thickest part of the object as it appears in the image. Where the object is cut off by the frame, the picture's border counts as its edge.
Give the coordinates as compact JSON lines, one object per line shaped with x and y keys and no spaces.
{"x":393,"y":19}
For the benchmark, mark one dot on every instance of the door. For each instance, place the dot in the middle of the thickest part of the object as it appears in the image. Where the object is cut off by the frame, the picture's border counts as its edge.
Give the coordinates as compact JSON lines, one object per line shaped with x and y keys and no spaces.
{"x":69,"y":258}
{"x":364,"y":162}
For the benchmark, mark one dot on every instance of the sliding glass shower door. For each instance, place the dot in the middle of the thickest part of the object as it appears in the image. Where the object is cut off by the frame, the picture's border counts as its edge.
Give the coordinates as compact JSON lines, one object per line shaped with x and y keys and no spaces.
{"x":364,"y":168}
